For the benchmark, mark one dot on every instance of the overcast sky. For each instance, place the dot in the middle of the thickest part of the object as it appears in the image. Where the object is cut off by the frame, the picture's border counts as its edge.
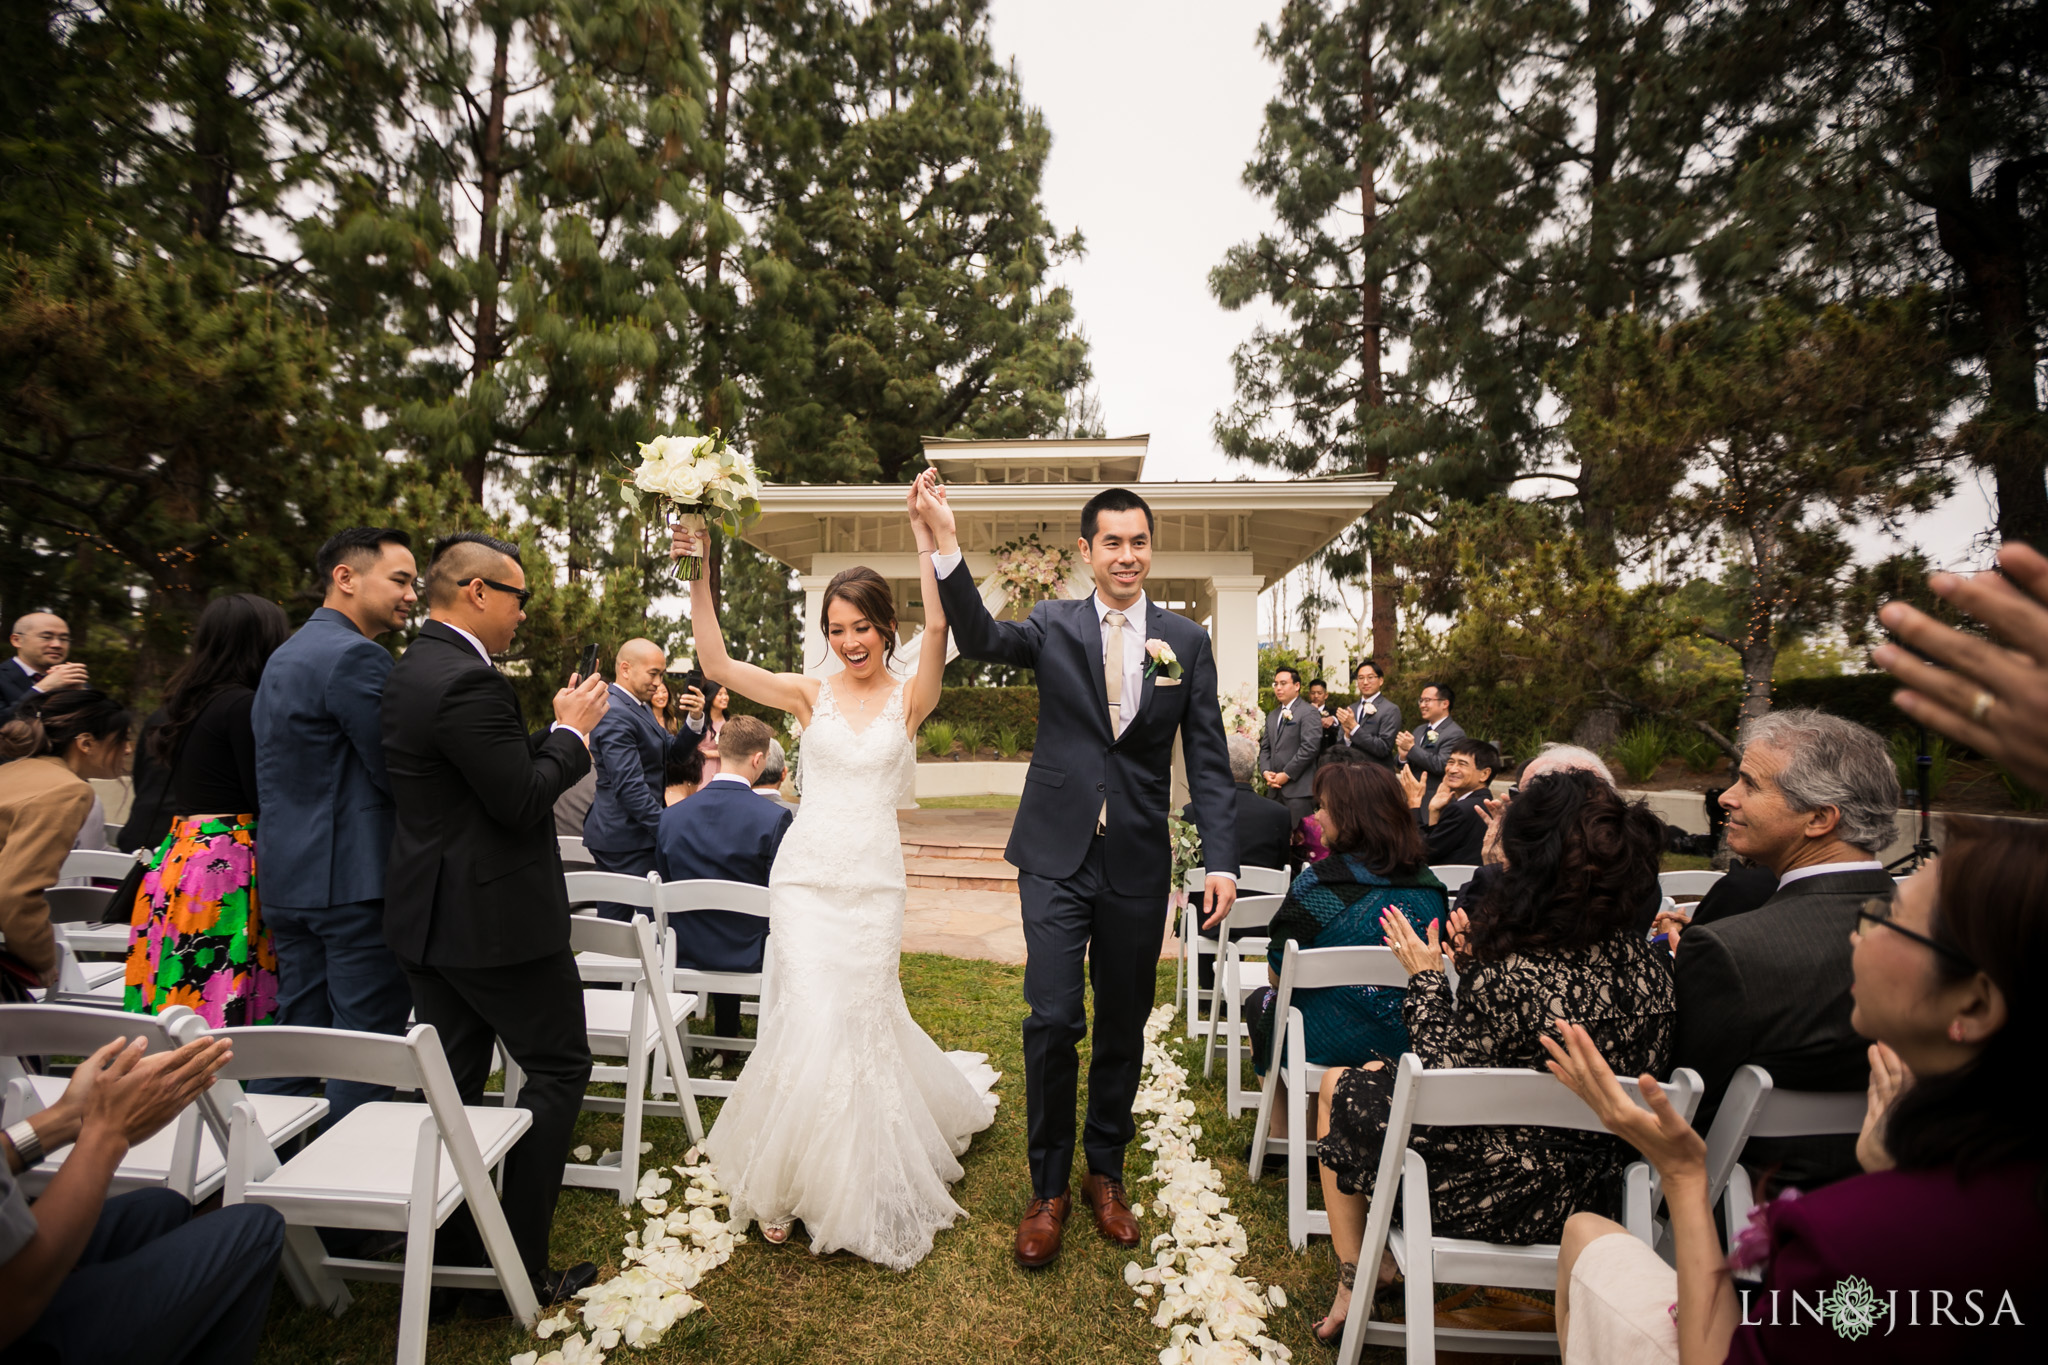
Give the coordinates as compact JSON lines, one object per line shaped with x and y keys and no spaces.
{"x":1154,"y":107}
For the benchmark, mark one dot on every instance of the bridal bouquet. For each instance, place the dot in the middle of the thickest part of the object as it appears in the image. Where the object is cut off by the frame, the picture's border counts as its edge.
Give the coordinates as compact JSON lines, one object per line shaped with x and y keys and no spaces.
{"x":697,"y":481}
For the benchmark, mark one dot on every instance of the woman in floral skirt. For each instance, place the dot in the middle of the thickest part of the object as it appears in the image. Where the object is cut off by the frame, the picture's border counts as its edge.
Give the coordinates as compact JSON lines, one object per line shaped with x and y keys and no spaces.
{"x":197,"y":935}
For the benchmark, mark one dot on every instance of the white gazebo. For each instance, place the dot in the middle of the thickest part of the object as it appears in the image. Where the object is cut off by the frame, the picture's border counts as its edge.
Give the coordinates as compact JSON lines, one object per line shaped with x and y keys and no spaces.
{"x":1217,"y":545}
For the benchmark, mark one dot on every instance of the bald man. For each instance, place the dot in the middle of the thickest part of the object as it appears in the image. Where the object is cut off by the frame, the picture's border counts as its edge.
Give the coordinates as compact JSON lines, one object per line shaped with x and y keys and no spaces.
{"x":629,"y":751}
{"x":42,"y":643}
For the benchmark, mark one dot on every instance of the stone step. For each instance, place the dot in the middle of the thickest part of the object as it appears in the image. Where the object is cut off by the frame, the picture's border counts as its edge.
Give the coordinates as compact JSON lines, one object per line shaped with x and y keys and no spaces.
{"x":960,"y":874}
{"x":953,"y":850}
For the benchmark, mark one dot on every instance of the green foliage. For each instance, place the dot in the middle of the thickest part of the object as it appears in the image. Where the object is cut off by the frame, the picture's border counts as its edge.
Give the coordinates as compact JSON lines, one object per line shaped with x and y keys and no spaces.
{"x":992,"y":709}
{"x":1186,"y":841}
{"x":1906,"y":758}
{"x":1642,"y":749}
{"x":1008,"y":741}
{"x":1698,"y":752}
{"x":973,"y":739}
{"x":938,"y":738}
{"x":1275,"y":657}
{"x":2022,"y":796}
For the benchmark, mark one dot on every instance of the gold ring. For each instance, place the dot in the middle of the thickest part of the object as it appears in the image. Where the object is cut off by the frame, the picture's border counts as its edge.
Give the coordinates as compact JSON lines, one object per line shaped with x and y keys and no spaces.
{"x":1982,"y":705}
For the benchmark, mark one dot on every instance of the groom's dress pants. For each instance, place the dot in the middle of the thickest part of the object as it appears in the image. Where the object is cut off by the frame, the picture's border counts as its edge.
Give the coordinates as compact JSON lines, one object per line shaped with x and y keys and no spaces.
{"x":1061,"y":921}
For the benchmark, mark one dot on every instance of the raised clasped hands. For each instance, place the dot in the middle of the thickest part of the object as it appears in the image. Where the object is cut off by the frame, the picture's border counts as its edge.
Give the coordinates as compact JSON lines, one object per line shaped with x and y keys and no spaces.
{"x":931,"y":516}
{"x":1670,"y":923}
{"x":1415,"y":954}
{"x":1664,"y":1138}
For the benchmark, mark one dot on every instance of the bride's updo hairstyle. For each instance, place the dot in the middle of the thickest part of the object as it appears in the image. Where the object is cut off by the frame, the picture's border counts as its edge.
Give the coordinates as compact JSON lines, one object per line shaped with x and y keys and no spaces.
{"x":867,"y":592}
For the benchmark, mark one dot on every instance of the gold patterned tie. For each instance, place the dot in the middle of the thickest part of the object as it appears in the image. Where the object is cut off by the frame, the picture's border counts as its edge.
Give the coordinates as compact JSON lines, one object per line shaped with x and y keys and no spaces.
{"x":1113,"y":681}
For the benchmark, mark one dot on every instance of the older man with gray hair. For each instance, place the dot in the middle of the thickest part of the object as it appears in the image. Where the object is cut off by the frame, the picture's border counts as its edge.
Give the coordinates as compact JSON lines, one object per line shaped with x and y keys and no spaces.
{"x":1815,"y":800}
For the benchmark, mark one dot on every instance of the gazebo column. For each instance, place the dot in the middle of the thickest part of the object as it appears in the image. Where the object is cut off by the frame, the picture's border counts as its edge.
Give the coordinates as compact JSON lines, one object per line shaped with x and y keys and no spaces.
{"x":818,"y":656}
{"x":1234,"y":631}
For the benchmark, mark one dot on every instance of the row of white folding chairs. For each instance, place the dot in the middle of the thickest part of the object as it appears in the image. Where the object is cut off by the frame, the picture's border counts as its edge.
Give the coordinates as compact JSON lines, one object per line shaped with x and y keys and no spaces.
{"x":1251,"y":881}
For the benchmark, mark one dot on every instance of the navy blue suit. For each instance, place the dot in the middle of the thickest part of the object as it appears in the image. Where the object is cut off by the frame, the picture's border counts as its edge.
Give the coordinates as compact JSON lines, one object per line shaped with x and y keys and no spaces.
{"x":629,"y":751}
{"x":723,"y":832}
{"x":325,"y":838}
{"x":1098,"y":896}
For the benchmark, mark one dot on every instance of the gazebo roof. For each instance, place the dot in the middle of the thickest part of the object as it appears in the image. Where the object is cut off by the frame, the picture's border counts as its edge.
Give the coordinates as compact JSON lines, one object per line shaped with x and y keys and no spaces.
{"x":1001,"y":490}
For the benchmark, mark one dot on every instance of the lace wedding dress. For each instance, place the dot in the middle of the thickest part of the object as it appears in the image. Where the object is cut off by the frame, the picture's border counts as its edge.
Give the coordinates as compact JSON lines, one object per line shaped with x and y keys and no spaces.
{"x":847,"y":1116}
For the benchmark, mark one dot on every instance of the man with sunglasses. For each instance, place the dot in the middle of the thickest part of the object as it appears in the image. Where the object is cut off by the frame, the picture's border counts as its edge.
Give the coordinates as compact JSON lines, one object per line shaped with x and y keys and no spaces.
{"x":1815,"y":800}
{"x":475,"y":906}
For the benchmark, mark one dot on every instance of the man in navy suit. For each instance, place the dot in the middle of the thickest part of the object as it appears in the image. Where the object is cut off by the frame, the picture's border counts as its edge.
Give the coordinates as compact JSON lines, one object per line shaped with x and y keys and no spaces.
{"x":629,"y":751}
{"x":42,"y":646}
{"x":725,"y":831}
{"x":320,"y":775}
{"x":1119,"y":677}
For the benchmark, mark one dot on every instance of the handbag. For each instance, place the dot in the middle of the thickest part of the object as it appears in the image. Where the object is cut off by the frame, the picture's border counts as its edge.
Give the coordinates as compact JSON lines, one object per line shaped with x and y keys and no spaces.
{"x":121,"y":906}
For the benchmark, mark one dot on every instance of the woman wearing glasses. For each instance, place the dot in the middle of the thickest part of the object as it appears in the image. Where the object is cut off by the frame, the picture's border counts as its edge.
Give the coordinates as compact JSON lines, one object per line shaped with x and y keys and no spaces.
{"x":1940,"y":1250}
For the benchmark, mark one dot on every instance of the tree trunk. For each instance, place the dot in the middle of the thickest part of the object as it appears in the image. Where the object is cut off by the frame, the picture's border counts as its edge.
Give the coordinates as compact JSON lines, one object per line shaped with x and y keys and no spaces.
{"x":212,"y":149}
{"x":1379,"y":572}
{"x":712,"y":369}
{"x":1602,"y":283}
{"x":491,"y":171}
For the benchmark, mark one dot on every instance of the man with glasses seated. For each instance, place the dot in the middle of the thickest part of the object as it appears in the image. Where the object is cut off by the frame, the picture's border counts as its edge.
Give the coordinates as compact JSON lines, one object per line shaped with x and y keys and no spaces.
{"x":1815,"y":800}
{"x":42,"y":646}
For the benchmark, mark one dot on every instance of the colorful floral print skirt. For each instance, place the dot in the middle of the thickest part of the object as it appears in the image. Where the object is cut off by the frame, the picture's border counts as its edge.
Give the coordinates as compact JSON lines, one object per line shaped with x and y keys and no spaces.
{"x":196,"y":937}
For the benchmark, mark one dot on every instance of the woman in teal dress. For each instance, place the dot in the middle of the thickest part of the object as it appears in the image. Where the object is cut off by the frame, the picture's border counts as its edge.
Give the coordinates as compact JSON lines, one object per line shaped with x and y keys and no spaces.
{"x":1376,"y":863}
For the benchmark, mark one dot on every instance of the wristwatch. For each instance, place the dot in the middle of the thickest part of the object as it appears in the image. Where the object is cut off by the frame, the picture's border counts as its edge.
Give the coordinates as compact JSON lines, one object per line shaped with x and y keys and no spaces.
{"x":26,"y":1143}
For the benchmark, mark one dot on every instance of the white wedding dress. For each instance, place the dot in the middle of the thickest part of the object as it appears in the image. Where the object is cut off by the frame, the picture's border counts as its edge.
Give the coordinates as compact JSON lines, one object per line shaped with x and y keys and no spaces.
{"x":847,"y":1116}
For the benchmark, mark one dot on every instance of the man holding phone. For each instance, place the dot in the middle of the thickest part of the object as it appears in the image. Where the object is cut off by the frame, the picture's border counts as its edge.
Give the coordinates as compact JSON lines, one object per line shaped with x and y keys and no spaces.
{"x":630,"y":751}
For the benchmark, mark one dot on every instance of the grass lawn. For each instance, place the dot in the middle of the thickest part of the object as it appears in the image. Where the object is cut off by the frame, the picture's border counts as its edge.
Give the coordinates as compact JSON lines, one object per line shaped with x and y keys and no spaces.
{"x":968,"y":803}
{"x":968,"y":1301}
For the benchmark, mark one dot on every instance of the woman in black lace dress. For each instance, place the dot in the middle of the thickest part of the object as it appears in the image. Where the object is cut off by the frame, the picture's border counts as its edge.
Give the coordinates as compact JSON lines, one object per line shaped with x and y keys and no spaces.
{"x":1553,"y":938}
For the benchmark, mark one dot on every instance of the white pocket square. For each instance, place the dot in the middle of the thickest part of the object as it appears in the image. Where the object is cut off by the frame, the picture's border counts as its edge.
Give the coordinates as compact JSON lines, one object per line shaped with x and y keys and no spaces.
{"x":1166,"y":682}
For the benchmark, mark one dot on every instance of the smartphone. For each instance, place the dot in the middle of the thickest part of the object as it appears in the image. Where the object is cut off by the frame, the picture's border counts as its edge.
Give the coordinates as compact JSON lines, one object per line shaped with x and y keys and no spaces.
{"x":589,"y":664}
{"x":703,"y":684}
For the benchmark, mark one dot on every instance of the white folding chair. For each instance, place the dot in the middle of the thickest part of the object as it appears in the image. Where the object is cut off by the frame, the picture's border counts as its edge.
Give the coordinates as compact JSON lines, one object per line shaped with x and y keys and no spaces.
{"x":676,"y":902}
{"x":387,"y":1166}
{"x":1308,"y":969}
{"x":1691,"y":885}
{"x":1251,"y":881}
{"x":587,"y":888}
{"x":184,"y":1156}
{"x":1754,"y":1108}
{"x":1226,"y":1001}
{"x":77,"y":906}
{"x":1454,"y":876}
{"x":1459,"y":1098}
{"x":76,"y":985}
{"x":575,"y":857}
{"x":629,"y":1024}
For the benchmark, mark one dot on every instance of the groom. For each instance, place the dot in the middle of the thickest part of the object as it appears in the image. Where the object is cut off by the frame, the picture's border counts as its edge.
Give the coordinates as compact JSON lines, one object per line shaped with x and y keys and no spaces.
{"x":1090,"y":840}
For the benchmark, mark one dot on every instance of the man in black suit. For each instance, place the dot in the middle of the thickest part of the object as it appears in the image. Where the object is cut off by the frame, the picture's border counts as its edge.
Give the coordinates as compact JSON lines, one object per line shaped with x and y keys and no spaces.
{"x":1288,"y":746}
{"x":1372,"y":724}
{"x":1318,"y":694}
{"x":631,"y":751}
{"x":1815,"y":799}
{"x":42,"y":644}
{"x":1263,"y":833}
{"x":1452,"y":829}
{"x":1119,"y":677}
{"x":474,"y":903}
{"x":1425,"y":750}
{"x":724,"y":831}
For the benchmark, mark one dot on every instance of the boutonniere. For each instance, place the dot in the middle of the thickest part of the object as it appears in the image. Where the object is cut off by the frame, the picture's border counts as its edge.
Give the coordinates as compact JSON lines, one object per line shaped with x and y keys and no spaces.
{"x":1432,"y":736}
{"x":1164,"y":665}
{"x":1368,"y":708}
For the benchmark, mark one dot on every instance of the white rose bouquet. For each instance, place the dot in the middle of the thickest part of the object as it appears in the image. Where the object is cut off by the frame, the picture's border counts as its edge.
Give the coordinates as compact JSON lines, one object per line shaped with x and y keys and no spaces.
{"x":697,"y":481}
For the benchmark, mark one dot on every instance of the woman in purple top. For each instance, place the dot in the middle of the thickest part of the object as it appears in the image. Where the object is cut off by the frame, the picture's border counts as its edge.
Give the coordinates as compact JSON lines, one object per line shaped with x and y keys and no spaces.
{"x":1939,"y":1251}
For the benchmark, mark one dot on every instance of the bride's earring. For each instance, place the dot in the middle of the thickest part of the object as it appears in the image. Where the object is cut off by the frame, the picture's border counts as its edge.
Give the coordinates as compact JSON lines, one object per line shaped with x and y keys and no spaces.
{"x":1955,"y":1031}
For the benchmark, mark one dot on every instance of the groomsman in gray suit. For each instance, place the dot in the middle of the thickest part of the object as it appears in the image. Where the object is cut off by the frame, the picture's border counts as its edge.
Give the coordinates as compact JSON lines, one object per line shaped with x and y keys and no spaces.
{"x":1372,"y":724}
{"x":1288,"y":747}
{"x":1425,"y":750}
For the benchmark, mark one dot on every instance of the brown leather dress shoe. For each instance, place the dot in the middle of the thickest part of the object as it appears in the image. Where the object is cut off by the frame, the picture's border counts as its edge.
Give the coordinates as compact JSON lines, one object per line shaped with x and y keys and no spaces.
{"x":1038,"y":1236}
{"x":1113,"y":1216}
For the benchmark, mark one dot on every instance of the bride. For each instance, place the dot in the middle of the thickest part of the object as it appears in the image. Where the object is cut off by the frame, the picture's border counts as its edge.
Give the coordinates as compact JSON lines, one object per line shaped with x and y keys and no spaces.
{"x":847,"y":1116}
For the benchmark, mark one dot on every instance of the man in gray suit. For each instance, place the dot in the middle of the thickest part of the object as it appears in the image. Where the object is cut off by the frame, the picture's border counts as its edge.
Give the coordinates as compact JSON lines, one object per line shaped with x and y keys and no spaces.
{"x":325,"y":836}
{"x":1292,"y":738}
{"x":1425,"y":751}
{"x":1372,"y":724}
{"x":1815,"y":799}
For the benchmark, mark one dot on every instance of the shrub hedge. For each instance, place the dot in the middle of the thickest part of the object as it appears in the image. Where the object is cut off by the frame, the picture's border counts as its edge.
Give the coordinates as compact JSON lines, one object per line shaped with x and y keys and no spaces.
{"x":988,"y":708}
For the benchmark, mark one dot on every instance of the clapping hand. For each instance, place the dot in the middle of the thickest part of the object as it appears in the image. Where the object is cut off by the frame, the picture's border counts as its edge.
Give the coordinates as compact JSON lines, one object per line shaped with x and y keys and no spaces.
{"x":1461,"y":930}
{"x":1491,"y":810}
{"x":1413,"y":785}
{"x":1888,"y":1076}
{"x":1664,"y":1138}
{"x":1403,"y":742}
{"x":60,"y":676}
{"x":2013,"y":681}
{"x":1415,"y":954}
{"x":1347,"y":718}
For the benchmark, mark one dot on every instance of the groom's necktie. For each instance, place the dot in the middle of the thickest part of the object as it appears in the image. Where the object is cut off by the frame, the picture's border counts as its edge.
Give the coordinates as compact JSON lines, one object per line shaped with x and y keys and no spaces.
{"x":1113,"y":680}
